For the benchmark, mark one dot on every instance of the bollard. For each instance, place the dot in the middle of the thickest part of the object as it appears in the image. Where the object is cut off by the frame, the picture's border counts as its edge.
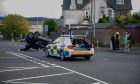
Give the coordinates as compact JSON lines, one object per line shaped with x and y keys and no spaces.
{"x":111,"y":47}
{"x":12,"y":37}
{"x":97,"y":43}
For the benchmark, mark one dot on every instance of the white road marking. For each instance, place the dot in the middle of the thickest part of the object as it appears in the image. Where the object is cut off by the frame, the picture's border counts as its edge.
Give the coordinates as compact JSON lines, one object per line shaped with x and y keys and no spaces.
{"x":96,"y":83}
{"x":61,"y":67}
{"x":106,"y":59}
{"x":38,"y":77}
{"x":18,"y":69}
{"x":22,"y":67}
{"x":33,"y":58}
{"x":25,"y":83}
{"x":21,"y":56}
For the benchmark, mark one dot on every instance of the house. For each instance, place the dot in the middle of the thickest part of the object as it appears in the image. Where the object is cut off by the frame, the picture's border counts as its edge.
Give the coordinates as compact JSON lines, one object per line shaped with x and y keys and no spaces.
{"x":36,"y":24}
{"x":79,"y":11}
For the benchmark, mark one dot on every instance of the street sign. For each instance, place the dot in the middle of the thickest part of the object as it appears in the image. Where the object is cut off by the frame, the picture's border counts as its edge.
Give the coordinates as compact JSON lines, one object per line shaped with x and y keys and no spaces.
{"x":46,"y":28}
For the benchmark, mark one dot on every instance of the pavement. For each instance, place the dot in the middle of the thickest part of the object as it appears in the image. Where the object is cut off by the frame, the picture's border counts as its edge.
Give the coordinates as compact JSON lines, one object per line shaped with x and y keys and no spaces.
{"x":133,"y":50}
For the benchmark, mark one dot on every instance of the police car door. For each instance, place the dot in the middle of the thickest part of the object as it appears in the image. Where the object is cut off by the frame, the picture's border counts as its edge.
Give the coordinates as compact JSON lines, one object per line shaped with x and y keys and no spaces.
{"x":54,"y":47}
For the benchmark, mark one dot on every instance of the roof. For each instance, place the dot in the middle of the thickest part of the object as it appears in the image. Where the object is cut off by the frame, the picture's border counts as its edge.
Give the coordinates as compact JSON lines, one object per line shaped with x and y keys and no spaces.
{"x":66,"y":4}
{"x":137,"y":25}
{"x":36,"y":22}
{"x":126,"y":6}
{"x":74,"y":36}
{"x":1,"y":18}
{"x":103,"y":25}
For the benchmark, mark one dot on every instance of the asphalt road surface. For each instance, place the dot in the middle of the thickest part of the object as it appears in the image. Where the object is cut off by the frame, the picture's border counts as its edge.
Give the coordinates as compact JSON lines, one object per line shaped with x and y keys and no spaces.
{"x":33,"y":67}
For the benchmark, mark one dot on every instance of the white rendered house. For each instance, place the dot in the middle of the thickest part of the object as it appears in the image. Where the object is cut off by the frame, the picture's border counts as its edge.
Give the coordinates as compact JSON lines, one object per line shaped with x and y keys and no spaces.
{"x":79,"y":11}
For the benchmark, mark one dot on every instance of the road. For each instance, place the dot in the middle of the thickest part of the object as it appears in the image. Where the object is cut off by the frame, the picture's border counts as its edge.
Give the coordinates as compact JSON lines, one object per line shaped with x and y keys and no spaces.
{"x":32,"y":67}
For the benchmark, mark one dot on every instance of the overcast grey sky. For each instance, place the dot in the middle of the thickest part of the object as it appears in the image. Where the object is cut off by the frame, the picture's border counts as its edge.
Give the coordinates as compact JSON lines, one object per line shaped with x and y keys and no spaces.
{"x":30,"y":8}
{"x":136,"y":5}
{"x":44,"y":8}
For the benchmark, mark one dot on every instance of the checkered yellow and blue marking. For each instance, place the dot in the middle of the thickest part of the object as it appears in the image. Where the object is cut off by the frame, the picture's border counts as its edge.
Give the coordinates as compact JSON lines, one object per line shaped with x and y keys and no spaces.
{"x":56,"y":50}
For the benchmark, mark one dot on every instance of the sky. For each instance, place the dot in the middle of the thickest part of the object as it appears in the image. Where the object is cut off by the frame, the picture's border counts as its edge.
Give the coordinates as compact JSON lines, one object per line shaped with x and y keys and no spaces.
{"x":136,"y":5}
{"x":33,"y":8}
{"x":41,"y":8}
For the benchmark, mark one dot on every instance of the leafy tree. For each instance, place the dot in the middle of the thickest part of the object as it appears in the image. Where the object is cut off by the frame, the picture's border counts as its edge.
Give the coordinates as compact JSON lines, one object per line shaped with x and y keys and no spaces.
{"x":104,"y":19}
{"x":136,"y":17}
{"x":130,"y":19}
{"x":51,"y":25}
{"x":121,"y":20}
{"x":1,"y":27}
{"x":15,"y":25}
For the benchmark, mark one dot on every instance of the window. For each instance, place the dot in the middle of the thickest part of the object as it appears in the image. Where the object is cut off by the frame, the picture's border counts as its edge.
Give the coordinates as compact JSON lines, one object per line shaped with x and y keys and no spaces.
{"x":102,"y":10}
{"x":79,"y":1}
{"x":110,"y":13}
{"x":86,"y":14}
{"x":119,"y":1}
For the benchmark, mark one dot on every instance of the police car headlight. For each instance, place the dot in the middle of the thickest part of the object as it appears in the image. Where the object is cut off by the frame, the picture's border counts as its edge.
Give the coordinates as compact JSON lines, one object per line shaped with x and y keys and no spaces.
{"x":92,"y":49}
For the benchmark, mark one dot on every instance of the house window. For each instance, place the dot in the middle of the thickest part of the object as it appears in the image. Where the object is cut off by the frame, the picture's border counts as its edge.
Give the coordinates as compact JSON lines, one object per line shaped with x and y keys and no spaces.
{"x":79,"y":1}
{"x":110,"y":12}
{"x":102,"y":9}
{"x":86,"y":14}
{"x":119,"y":1}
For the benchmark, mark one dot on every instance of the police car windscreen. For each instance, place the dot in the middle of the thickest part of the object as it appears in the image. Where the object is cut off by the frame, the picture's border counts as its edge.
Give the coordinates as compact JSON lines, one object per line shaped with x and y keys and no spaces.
{"x":79,"y":32}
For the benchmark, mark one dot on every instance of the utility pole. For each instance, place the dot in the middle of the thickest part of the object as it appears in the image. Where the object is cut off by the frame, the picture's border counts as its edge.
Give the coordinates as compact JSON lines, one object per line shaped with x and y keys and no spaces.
{"x":92,"y":20}
{"x":37,"y":20}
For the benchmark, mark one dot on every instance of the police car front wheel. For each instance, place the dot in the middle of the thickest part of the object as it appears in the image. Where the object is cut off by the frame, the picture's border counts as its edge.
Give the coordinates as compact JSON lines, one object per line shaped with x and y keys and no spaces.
{"x":62,"y":57}
{"x":46,"y":52}
{"x":87,"y":57}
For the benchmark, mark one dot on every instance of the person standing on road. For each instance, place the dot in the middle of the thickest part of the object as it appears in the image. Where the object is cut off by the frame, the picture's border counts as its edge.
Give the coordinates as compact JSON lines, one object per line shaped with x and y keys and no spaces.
{"x":113,"y":40}
{"x":126,"y":41}
{"x":117,"y":36}
{"x":129,"y":41}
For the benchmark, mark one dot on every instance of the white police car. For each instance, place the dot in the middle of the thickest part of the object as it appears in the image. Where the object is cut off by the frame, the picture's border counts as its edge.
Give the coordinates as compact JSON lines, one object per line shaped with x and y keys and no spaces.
{"x":67,"y":46}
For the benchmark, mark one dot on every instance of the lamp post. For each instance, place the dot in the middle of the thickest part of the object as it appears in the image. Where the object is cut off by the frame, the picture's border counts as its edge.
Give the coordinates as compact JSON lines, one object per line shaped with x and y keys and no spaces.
{"x":92,"y":20}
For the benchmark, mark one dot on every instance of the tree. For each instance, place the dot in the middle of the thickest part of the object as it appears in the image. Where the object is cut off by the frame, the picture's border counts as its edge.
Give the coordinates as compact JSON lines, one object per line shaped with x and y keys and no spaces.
{"x":121,"y":20}
{"x":14,"y":25}
{"x":136,"y":16}
{"x":51,"y":25}
{"x":104,"y":19}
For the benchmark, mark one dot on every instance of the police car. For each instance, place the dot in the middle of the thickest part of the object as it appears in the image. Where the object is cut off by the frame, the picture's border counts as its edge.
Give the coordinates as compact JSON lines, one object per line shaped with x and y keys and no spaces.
{"x":67,"y":46}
